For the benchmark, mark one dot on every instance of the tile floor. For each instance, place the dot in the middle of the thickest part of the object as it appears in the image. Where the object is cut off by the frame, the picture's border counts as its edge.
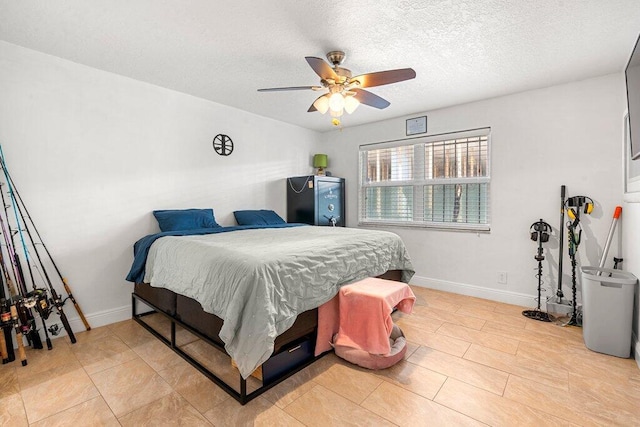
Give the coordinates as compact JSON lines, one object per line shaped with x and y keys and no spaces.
{"x":470,"y":362}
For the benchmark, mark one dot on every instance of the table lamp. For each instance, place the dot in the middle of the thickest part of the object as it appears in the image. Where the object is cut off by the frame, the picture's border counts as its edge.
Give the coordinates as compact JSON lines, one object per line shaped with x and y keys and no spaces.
{"x":320,"y":162}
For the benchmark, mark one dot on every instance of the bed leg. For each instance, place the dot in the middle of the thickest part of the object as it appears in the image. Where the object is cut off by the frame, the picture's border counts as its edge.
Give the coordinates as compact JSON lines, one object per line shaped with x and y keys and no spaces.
{"x":173,"y":334}
{"x":243,"y":390}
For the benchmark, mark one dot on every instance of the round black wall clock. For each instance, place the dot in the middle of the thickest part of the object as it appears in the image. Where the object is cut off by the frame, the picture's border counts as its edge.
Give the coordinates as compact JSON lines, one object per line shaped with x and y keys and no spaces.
{"x":223,"y":144}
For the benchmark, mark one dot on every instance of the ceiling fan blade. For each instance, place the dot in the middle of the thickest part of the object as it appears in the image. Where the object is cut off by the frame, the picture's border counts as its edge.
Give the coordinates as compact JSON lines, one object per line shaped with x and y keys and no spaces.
{"x":321,"y":68}
{"x":367,"y":98}
{"x":384,"y":77}
{"x":278,"y":89}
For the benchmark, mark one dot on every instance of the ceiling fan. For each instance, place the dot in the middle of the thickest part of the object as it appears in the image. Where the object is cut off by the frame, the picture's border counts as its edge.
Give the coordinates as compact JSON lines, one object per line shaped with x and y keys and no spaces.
{"x":344,"y":92}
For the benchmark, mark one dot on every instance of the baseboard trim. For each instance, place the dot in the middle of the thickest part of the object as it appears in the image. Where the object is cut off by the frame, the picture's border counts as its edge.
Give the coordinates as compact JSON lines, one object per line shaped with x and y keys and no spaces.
{"x":102,"y":318}
{"x":500,"y":295}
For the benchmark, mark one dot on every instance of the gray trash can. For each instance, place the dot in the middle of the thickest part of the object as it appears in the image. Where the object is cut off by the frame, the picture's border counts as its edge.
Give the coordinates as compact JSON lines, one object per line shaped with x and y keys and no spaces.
{"x":607,"y":306}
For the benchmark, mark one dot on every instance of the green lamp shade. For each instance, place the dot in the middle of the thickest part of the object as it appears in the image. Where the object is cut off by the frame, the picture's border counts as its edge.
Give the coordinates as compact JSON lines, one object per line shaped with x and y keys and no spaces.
{"x":320,"y":161}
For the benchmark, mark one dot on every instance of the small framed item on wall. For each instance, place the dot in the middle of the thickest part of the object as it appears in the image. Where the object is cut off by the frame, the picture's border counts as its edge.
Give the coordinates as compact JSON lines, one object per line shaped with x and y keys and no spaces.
{"x":417,"y":125}
{"x":223,"y":144}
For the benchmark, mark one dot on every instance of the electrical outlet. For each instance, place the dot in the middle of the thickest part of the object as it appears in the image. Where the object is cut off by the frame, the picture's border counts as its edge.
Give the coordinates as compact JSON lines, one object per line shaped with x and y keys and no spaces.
{"x":502,"y":277}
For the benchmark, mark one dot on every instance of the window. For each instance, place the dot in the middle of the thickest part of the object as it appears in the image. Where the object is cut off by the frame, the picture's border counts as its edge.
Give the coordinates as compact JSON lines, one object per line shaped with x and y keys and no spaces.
{"x":438,"y":181}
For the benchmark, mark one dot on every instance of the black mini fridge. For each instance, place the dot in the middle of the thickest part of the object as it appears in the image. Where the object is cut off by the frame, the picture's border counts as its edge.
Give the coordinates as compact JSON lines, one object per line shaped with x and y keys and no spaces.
{"x":316,"y":200}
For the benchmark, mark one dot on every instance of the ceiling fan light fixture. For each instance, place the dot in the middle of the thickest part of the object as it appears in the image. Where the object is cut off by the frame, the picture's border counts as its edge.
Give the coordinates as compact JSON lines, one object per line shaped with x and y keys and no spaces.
{"x":350,"y":104}
{"x":336,"y":113}
{"x":336,"y":102}
{"x":322,"y":104}
{"x":343,"y":91}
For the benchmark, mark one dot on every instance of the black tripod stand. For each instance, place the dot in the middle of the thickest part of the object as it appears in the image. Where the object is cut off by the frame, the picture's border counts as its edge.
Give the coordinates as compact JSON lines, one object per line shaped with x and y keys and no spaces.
{"x":540,"y":231}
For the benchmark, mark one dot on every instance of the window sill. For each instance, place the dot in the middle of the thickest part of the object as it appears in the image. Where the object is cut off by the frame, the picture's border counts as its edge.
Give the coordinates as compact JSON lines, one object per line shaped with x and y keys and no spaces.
{"x":440,"y":226}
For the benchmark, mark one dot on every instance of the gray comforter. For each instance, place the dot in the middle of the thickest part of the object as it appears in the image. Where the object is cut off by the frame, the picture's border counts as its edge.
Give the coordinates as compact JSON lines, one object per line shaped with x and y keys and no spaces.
{"x":258,"y":281}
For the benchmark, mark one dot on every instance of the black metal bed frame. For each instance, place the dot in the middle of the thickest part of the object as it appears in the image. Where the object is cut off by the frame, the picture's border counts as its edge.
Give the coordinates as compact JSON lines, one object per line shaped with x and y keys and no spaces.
{"x":242,"y":397}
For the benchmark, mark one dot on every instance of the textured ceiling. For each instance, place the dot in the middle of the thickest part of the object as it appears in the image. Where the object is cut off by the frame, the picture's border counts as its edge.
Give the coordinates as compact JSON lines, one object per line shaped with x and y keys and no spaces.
{"x":224,"y":51}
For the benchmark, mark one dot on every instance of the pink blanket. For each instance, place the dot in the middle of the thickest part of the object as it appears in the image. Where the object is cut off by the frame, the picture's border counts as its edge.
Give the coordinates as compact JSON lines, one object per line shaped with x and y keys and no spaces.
{"x":361,"y":315}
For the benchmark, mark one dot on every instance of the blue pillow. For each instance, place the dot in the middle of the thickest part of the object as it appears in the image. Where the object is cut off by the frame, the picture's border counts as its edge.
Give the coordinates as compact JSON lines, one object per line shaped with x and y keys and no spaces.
{"x":185,"y":219}
{"x":259,"y":217}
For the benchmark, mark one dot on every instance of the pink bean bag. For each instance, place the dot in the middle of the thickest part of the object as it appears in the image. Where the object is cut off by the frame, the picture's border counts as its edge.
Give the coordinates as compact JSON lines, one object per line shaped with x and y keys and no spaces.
{"x":367,"y":360}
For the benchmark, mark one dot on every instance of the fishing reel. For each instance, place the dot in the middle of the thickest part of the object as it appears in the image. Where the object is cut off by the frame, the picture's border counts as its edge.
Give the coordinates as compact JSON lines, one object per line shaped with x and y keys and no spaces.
{"x":5,"y":313}
{"x":38,"y":298}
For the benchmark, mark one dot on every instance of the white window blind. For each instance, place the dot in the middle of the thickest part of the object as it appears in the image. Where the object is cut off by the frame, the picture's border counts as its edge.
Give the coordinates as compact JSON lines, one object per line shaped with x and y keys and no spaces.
{"x":438,"y":181}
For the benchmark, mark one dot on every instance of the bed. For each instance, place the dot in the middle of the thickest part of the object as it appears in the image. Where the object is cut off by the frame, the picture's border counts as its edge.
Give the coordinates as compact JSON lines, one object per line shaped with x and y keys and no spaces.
{"x":253,"y":291}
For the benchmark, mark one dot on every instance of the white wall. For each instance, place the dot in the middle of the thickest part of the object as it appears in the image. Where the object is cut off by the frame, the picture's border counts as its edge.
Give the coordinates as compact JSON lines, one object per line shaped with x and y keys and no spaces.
{"x":93,"y":153}
{"x":568,"y":134}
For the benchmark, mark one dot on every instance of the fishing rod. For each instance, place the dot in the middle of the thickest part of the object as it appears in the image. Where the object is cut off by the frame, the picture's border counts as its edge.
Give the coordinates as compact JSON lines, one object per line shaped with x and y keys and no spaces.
{"x":38,"y":297}
{"x":11,"y":316}
{"x":6,"y":341}
{"x":5,"y":317}
{"x":26,"y":317}
{"x":34,"y":298}
{"x":27,"y":302}
{"x":55,"y":266}
{"x":21,"y":353}
{"x":4,"y":353}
